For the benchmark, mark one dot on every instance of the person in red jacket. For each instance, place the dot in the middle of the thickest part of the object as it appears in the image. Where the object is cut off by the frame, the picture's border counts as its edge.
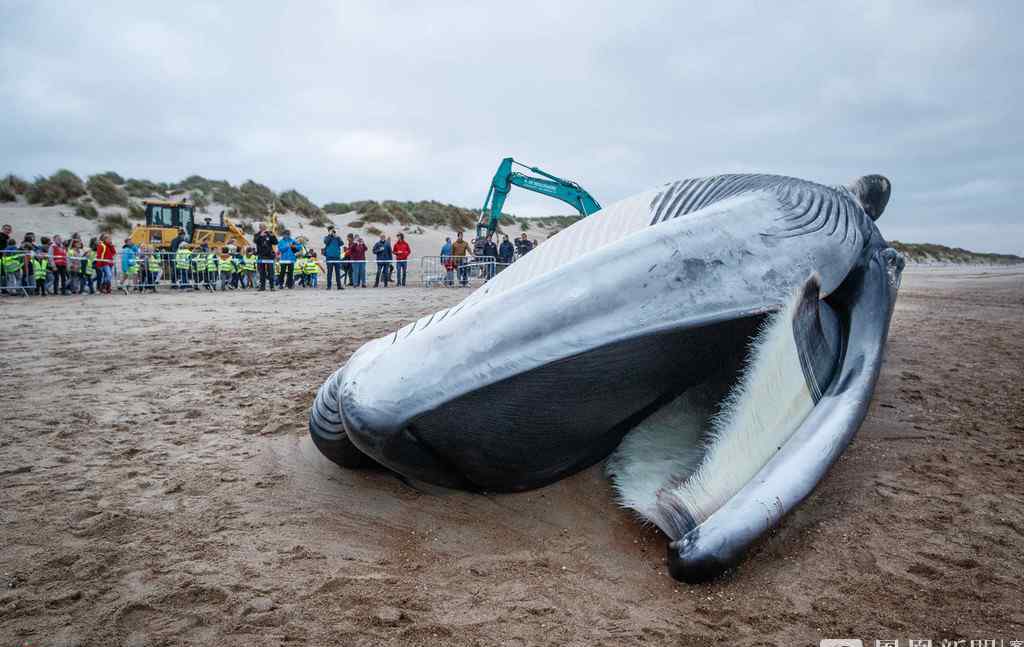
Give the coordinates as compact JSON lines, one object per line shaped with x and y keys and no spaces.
{"x":357,"y":258}
{"x":401,"y":251}
{"x":105,"y":252}
{"x":58,"y":256}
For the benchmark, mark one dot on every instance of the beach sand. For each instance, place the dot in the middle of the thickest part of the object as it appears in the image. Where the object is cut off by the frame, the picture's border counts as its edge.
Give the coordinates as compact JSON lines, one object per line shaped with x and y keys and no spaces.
{"x":158,"y":486}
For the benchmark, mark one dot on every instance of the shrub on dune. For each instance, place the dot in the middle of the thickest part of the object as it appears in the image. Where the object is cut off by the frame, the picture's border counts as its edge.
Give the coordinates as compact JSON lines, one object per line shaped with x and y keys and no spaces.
{"x":106,"y":192}
{"x":338,"y":208}
{"x":255,"y":200}
{"x":113,"y":222}
{"x":321,"y":220}
{"x":112,"y":176}
{"x":143,"y":188}
{"x":60,"y":188}
{"x":87,"y":211}
{"x":13,"y":186}
{"x":374,"y":212}
{"x":71,"y":184}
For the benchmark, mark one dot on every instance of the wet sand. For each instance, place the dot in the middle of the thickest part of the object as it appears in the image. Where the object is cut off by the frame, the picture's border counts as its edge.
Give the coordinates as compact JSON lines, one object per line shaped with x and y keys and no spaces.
{"x":157,"y":486}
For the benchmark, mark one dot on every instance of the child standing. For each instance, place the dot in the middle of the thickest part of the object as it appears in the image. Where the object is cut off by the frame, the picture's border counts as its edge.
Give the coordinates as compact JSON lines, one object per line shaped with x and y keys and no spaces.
{"x":212,"y":265}
{"x":182,"y":262}
{"x":312,"y":269}
{"x":226,"y":267}
{"x":129,"y":265}
{"x":76,"y":258}
{"x":12,"y":268}
{"x":300,"y":270}
{"x":40,"y":267}
{"x":249,"y":279}
{"x":155,"y":268}
{"x":88,"y":268}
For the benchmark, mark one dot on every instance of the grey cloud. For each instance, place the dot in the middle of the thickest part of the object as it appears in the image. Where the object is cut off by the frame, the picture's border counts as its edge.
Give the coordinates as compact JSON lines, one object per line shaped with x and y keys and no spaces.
{"x":391,"y":100}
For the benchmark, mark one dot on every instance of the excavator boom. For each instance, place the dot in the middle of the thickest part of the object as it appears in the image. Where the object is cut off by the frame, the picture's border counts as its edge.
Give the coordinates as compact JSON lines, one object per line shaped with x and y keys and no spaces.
{"x":551,"y":185}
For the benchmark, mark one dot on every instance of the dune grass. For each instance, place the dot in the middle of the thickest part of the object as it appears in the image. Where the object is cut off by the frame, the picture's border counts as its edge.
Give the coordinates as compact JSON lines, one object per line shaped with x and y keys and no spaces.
{"x":114,"y":222}
{"x":106,"y":192}
{"x":87,"y":211}
{"x":932,"y":253}
{"x":11,"y":187}
{"x":63,"y":187}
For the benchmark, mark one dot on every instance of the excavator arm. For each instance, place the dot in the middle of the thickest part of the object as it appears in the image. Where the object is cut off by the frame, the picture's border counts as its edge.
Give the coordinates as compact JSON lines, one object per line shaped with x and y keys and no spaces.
{"x":565,"y":190}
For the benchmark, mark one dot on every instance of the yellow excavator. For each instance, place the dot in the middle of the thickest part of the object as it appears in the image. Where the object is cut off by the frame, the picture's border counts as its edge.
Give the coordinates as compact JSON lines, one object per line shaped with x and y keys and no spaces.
{"x":165,"y":217}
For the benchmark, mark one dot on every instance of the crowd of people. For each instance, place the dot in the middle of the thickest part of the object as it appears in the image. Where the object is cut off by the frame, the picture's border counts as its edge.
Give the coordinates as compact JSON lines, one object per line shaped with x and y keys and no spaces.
{"x":55,"y":266}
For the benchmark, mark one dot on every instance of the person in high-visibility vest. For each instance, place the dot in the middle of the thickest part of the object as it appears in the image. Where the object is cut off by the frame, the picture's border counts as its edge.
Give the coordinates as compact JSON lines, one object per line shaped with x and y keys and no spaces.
{"x":300,"y":270}
{"x":211,"y":269}
{"x":155,"y":267}
{"x":89,"y":268}
{"x":198,"y":259}
{"x":237,"y":268}
{"x":249,"y":263}
{"x":311,"y":269}
{"x":182,"y":263}
{"x":12,"y":265}
{"x":40,"y":266}
{"x":225,"y":268}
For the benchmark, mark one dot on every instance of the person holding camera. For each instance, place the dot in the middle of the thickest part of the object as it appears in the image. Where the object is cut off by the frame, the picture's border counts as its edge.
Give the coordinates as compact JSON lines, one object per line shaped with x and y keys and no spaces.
{"x":332,"y":257}
{"x":266,"y":251}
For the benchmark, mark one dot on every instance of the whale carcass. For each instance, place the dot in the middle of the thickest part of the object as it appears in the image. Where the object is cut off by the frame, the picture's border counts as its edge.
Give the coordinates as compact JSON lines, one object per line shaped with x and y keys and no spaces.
{"x":717,"y":339}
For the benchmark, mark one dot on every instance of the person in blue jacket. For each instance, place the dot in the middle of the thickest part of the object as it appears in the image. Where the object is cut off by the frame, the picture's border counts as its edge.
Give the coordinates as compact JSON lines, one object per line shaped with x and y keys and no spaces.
{"x":129,"y":263}
{"x":286,"y":248}
{"x":382,"y":250}
{"x":332,"y":257}
{"x":506,"y":251}
{"x":446,"y":262}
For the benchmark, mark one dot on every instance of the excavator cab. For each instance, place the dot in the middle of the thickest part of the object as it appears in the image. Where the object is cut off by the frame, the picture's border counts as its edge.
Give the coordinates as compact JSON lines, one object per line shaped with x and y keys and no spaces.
{"x":167,"y":214}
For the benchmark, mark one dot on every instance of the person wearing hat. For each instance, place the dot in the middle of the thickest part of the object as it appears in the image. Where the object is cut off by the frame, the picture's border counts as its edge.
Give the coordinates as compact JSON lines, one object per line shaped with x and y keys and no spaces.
{"x":332,"y":256}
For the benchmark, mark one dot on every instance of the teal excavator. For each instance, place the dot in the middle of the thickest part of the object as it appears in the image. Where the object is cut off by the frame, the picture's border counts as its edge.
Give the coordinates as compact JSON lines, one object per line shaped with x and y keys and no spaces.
{"x":565,"y":190}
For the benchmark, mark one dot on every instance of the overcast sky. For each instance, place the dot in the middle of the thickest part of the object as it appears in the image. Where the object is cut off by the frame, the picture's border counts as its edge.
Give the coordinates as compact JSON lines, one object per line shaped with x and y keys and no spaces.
{"x":404,"y":100}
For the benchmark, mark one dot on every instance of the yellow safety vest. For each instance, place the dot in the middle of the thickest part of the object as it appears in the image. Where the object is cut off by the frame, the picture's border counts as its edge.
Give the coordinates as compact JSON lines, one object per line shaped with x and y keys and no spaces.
{"x":90,"y":261}
{"x":250,"y":263}
{"x":312,"y":267}
{"x":39,"y":268}
{"x":181,"y":258}
{"x":12,"y":262}
{"x":154,"y":263}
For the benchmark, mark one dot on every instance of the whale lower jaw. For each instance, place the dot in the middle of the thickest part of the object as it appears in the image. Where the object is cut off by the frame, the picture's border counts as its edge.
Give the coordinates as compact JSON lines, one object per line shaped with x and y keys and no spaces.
{"x":687,"y":459}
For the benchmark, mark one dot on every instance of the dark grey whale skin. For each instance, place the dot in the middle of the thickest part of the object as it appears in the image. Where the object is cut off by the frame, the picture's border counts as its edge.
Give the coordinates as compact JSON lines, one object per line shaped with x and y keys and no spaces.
{"x":719,"y":254}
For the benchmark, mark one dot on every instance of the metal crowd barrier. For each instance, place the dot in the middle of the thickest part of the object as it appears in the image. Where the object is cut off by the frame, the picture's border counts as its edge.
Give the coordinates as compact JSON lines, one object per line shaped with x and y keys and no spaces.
{"x":161,"y":270}
{"x":458,"y":271}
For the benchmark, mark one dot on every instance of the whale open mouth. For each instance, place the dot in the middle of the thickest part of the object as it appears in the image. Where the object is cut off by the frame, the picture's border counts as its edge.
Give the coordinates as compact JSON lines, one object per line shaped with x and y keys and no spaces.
{"x":682,"y":463}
